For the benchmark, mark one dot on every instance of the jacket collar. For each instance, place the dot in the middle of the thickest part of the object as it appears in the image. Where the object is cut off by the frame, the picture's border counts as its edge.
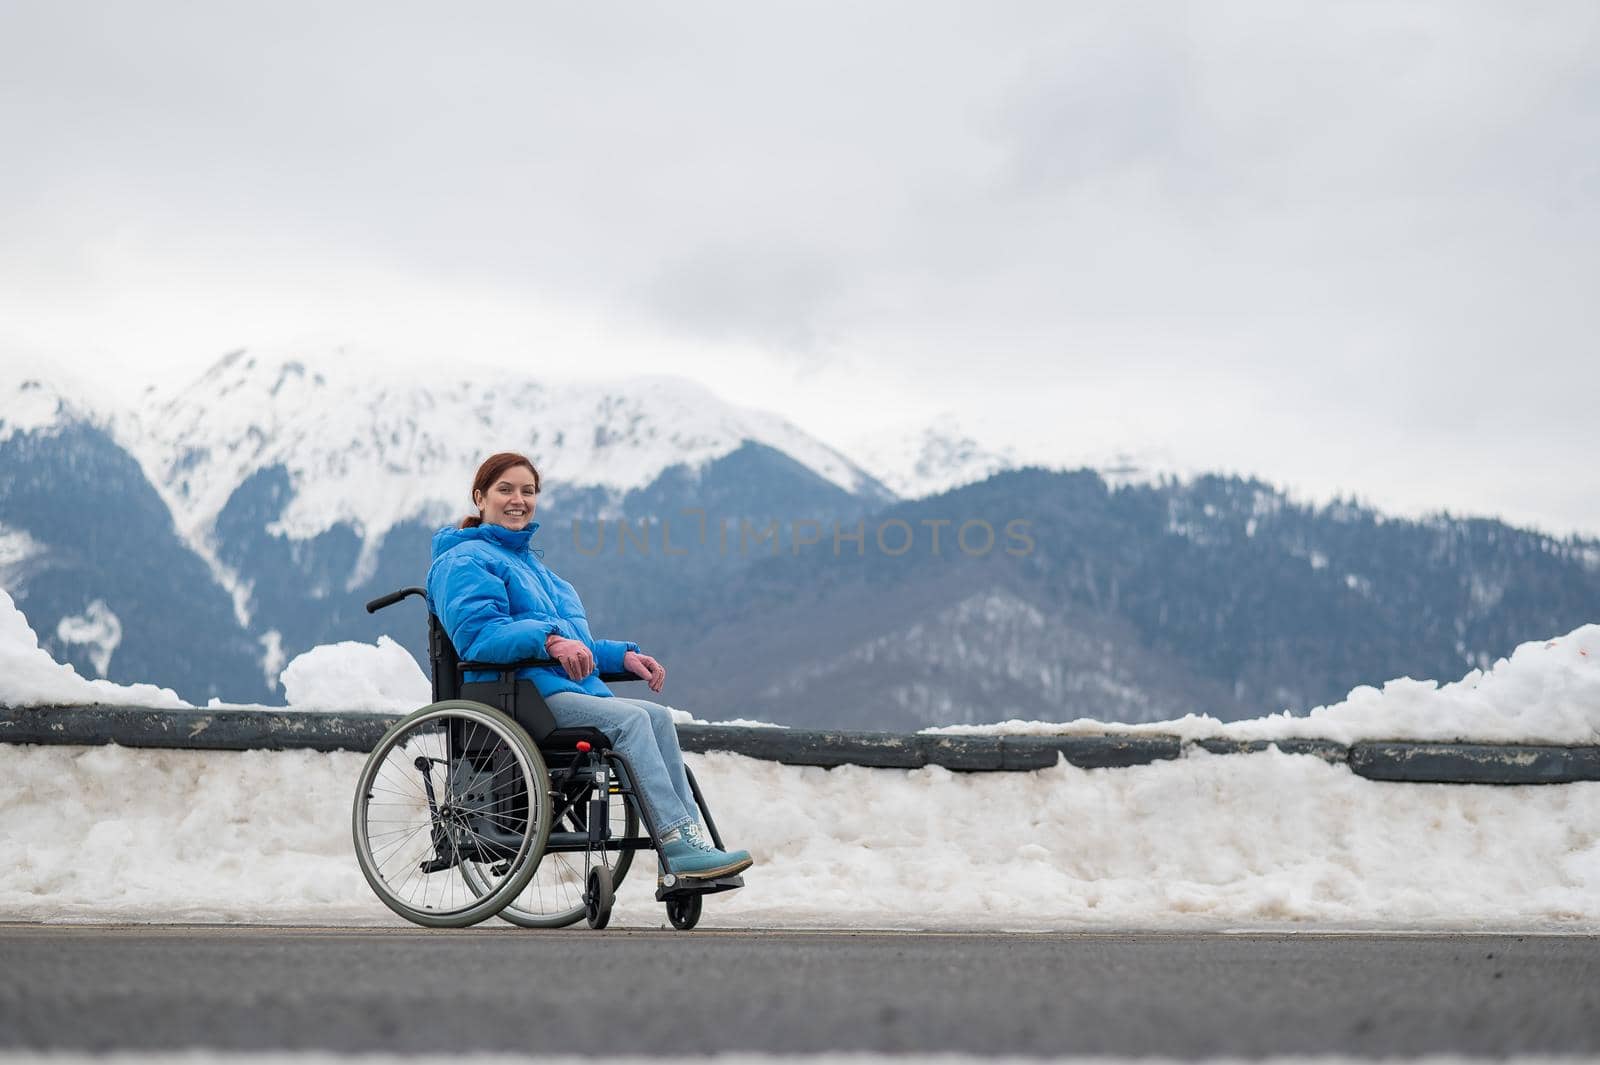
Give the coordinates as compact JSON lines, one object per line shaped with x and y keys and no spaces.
{"x":450,"y":536}
{"x":516,"y":540}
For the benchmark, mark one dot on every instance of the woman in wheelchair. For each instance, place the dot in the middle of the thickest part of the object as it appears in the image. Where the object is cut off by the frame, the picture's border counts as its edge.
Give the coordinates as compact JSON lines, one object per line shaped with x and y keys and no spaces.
{"x":498,"y":602}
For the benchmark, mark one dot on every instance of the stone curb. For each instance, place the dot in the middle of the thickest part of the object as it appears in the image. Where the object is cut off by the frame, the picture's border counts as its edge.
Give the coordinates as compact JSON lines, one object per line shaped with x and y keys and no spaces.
{"x":1475,"y":763}
{"x":275,"y":729}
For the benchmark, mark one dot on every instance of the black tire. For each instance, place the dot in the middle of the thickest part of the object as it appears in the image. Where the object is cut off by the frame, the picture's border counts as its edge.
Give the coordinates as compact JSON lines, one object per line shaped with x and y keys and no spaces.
{"x":421,"y":801}
{"x":599,"y":898}
{"x":684,"y":911}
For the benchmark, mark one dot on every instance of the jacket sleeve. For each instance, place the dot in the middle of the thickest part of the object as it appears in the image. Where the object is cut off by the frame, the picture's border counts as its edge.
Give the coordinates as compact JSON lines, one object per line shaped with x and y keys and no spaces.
{"x":472,"y":605}
{"x":608,"y":654}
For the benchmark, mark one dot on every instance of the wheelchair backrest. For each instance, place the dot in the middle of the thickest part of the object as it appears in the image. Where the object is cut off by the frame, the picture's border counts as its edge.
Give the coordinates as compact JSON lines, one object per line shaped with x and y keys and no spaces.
{"x":519,"y":698}
{"x":443,"y":660}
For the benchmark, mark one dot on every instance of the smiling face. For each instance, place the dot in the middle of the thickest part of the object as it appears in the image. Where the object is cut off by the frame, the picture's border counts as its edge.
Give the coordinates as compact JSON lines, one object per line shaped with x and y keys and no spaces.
{"x":510,"y":500}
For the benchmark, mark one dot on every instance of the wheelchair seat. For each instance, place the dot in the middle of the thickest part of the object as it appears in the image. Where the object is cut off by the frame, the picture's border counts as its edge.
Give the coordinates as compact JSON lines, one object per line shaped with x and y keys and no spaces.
{"x":567,"y":739}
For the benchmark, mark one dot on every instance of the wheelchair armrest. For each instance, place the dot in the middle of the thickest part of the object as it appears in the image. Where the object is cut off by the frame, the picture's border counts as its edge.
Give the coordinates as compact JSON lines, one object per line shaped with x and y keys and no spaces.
{"x":508,"y":668}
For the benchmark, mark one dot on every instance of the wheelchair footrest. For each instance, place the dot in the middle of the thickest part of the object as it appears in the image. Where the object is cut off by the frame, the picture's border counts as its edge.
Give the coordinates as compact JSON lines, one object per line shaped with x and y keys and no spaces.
{"x":690,"y":886}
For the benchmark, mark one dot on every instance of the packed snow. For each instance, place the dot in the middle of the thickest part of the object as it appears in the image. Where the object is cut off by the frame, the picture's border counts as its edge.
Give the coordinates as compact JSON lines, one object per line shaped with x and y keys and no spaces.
{"x":1260,"y":840}
{"x":30,"y":677}
{"x":352,"y":676}
{"x":1547,"y":691}
{"x":1267,"y":839}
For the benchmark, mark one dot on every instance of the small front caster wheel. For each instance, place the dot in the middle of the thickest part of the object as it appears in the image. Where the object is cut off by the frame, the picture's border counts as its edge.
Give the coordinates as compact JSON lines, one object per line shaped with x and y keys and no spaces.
{"x":598,"y":898}
{"x":684,"y":911}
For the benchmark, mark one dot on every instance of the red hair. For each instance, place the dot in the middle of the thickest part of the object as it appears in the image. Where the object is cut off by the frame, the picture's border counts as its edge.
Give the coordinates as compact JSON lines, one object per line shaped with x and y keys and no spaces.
{"x":491,"y":471}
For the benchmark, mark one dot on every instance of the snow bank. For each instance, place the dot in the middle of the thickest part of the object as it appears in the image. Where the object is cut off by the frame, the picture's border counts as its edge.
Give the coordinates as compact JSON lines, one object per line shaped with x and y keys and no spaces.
{"x":351,"y":676}
{"x":1261,"y":840}
{"x":1548,"y":691}
{"x":30,"y":677}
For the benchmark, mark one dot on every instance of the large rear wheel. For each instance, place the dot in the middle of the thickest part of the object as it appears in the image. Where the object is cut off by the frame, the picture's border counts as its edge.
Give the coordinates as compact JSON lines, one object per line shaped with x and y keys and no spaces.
{"x":454,"y":790}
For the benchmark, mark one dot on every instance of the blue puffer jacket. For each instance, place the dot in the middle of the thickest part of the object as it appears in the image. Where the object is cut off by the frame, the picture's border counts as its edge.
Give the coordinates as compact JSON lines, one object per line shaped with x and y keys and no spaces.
{"x":499,"y":602}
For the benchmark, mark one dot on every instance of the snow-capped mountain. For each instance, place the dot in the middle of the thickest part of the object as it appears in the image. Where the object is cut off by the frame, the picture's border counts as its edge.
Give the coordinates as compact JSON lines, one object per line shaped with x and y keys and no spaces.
{"x":35,"y":403}
{"x":373,"y":448}
{"x":294,"y":490}
{"x":89,"y":551}
{"x":201,"y":537}
{"x":918,"y":461}
{"x":922,"y":460}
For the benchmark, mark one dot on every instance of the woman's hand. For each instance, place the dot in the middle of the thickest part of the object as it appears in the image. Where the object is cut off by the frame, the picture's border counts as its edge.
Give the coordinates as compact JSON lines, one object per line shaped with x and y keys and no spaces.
{"x":574,"y":656}
{"x":645,"y":668}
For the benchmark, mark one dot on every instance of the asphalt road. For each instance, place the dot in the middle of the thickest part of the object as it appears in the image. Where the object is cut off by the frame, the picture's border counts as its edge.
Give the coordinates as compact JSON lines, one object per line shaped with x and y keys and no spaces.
{"x":487,"y":989}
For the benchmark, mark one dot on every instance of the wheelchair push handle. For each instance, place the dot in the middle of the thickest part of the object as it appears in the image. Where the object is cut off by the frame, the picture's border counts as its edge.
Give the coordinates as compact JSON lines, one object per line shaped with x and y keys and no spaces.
{"x":394,"y":597}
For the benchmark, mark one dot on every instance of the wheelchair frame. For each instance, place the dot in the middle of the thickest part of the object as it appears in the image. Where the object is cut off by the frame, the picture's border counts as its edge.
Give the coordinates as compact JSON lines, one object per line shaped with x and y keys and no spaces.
{"x":581,"y":775}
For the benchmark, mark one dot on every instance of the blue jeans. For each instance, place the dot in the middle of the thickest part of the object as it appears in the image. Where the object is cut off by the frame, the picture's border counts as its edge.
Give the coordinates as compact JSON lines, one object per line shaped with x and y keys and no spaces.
{"x":643,"y":733}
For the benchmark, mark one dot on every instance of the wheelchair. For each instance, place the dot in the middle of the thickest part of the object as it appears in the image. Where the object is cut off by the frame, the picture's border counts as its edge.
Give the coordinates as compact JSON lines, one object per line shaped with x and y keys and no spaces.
{"x":478,"y":805}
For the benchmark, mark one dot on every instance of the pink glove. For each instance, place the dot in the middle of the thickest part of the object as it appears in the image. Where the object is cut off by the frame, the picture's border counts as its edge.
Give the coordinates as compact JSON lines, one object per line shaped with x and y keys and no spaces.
{"x":574,"y":656}
{"x":646,"y":668}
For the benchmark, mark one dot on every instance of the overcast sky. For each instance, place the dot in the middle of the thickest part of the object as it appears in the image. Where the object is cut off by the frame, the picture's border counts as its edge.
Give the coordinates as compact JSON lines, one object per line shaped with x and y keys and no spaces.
{"x":1348,"y":247}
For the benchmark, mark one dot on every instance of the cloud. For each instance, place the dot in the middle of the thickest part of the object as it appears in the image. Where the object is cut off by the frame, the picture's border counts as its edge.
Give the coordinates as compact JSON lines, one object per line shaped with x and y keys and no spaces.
{"x":1204,"y":227}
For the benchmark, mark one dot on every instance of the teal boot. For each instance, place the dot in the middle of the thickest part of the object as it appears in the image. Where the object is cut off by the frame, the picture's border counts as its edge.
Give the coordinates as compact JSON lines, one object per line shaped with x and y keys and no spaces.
{"x":692,"y":855}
